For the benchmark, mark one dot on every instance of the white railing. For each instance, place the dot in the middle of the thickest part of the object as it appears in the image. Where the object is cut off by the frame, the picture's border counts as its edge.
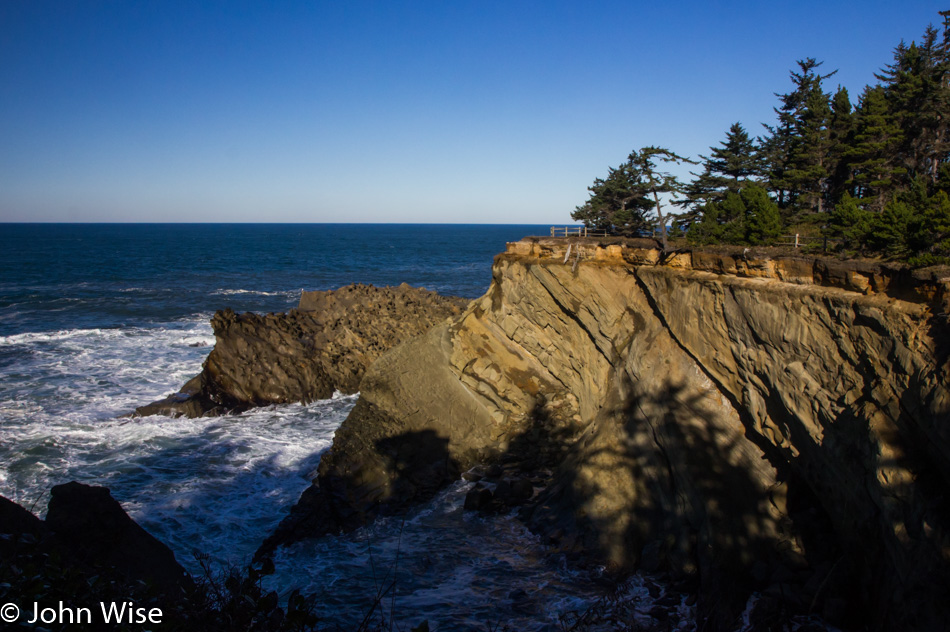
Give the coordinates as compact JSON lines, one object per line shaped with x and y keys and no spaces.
{"x":798,"y":240}
{"x":576,"y":231}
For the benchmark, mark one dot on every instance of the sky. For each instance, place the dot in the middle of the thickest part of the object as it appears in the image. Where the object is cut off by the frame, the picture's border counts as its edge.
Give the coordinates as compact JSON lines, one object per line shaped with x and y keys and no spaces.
{"x":450,"y":111}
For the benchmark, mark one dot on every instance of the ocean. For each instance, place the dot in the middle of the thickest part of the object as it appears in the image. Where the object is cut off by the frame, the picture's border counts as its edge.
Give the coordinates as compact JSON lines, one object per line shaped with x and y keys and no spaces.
{"x":96,"y":319}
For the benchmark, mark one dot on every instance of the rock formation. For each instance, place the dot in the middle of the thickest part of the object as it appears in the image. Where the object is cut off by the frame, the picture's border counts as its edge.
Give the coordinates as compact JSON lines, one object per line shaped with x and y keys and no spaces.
{"x":88,"y":531}
{"x":740,"y":420}
{"x":324,"y":345}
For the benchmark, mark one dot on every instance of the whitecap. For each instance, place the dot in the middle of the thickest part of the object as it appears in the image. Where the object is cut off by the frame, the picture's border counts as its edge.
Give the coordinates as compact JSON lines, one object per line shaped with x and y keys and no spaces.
{"x":33,"y":337}
{"x":229,"y":292}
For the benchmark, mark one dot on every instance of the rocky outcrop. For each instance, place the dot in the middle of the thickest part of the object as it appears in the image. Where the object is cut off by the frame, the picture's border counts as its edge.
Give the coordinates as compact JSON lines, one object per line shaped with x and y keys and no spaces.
{"x":88,"y":532}
{"x":91,"y":524}
{"x":740,"y":420}
{"x":15,"y":520}
{"x":323,"y":346}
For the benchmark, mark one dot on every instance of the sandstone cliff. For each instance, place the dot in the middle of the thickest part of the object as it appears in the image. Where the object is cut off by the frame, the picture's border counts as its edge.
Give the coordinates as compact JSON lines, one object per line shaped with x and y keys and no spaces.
{"x":741,"y":421}
{"x":323,"y":346}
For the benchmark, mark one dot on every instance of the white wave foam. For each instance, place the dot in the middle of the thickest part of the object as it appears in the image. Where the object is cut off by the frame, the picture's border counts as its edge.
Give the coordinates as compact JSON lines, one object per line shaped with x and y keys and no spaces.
{"x":228,"y":292}
{"x":216,"y":483}
{"x":32,"y":337}
{"x":221,"y":484}
{"x":197,"y":341}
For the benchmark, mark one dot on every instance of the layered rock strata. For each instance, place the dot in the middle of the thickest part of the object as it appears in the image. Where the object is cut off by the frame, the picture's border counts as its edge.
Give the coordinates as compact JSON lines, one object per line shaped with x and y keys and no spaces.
{"x":743,"y":421}
{"x":324,"y":345}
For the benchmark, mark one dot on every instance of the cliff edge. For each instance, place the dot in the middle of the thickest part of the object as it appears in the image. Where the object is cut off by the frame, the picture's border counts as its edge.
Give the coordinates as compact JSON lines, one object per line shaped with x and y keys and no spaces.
{"x":739,"y":421}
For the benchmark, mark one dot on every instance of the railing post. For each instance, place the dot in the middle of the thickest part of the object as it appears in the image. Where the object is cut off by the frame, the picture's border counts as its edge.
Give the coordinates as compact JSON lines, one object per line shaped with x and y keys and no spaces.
{"x":796,"y":240}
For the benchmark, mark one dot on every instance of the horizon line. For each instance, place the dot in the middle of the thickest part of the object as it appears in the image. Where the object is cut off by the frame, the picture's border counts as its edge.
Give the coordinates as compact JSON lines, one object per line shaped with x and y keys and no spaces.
{"x":290,"y":223}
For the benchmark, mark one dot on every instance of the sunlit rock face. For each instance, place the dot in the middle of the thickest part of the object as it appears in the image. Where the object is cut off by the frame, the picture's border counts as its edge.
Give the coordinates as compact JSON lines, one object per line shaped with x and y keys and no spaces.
{"x":741,"y":420}
{"x":306,"y":354}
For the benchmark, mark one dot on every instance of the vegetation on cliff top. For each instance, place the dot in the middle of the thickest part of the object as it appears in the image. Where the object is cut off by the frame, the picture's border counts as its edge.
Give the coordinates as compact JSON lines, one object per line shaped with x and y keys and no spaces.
{"x":870,"y":179}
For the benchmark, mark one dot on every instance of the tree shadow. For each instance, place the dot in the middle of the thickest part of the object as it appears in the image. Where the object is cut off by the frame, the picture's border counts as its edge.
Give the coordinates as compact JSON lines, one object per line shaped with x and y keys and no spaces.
{"x":814,"y":515}
{"x":663,"y":484}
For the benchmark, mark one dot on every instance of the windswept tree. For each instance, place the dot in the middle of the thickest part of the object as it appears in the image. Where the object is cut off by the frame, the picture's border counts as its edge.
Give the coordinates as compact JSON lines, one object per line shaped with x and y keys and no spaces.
{"x":622,"y":201}
{"x":657,"y":182}
{"x":617,"y":203}
{"x":874,"y":175}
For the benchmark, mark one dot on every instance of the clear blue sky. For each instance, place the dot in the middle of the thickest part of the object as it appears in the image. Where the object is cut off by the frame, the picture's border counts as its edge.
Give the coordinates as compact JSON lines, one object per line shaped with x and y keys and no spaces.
{"x":449,"y":111}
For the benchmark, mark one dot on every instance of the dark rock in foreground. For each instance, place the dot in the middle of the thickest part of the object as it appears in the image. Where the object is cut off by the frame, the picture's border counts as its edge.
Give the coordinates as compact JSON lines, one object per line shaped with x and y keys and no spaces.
{"x":325,"y":345}
{"x":88,"y":529}
{"x":95,"y":563}
{"x":15,"y":520}
{"x":90,"y":523}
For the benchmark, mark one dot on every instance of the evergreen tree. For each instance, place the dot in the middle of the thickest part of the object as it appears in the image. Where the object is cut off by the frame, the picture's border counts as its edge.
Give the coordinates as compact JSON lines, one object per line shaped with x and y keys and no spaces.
{"x":916,"y":225}
{"x":795,"y":150}
{"x":808,"y":167}
{"x":618,"y":203}
{"x":917,"y":89}
{"x":840,"y":137}
{"x":748,"y":216}
{"x":727,"y":168}
{"x":877,"y":175}
{"x":873,"y":155}
{"x":934,"y":239}
{"x":656,"y":182}
{"x":763,"y":223}
{"x":850,"y":224}
{"x":891,"y":232}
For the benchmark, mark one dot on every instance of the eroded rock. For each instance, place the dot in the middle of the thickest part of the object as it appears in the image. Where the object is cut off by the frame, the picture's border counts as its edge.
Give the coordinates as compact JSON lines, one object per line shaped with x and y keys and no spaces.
{"x":325,"y":345}
{"x":739,"y":422}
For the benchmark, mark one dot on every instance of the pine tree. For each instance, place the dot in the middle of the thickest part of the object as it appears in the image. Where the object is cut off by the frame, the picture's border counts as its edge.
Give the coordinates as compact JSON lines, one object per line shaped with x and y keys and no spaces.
{"x":727,"y":168}
{"x":748,"y":216}
{"x":877,"y":175}
{"x":618,"y":203}
{"x":840,"y":138}
{"x":873,"y":156}
{"x":779,"y":144}
{"x":763,"y":223}
{"x":796,"y":150}
{"x":656,"y":182}
{"x":808,"y":167}
{"x":849,"y":224}
{"x":917,"y":89}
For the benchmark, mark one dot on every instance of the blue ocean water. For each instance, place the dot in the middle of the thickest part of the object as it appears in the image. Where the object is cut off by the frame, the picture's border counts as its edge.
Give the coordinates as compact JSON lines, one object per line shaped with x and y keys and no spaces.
{"x":63,"y":276}
{"x":97,"y":319}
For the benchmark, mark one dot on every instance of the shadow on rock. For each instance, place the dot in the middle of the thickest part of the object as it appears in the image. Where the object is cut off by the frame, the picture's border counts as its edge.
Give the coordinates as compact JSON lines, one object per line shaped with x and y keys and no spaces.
{"x":375,"y":475}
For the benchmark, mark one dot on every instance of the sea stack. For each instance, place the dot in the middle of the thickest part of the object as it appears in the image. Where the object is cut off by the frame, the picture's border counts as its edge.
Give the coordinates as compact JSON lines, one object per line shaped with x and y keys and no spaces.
{"x":324,"y":345}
